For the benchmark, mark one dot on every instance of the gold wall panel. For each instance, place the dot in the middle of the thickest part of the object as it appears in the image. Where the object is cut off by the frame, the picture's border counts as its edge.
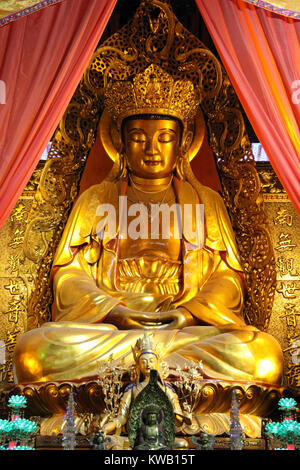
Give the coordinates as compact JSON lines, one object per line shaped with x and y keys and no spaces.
{"x":284,"y":225}
{"x":17,"y":275}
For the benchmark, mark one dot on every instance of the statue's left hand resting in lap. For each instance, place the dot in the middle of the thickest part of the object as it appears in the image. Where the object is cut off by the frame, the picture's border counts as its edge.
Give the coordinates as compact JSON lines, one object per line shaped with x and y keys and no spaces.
{"x":118,"y":270}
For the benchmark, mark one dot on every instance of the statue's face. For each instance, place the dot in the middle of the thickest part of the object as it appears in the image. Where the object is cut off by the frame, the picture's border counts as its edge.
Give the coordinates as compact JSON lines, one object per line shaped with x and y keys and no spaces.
{"x":151,"y":418}
{"x":147,"y":362}
{"x":152,"y":146}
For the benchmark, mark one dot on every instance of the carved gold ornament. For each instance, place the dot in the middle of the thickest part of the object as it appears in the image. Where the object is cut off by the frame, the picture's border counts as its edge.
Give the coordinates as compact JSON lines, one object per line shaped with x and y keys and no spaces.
{"x":152,"y":92}
{"x":146,"y":345}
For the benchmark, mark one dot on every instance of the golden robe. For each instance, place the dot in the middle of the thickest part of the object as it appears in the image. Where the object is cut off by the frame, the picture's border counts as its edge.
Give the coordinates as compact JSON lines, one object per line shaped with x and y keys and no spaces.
{"x":86,"y":288}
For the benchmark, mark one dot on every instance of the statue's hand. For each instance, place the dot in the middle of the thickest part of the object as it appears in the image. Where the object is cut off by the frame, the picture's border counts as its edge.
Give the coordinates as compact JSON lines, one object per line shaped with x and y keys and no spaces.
{"x":125,"y":318}
{"x":177,"y":319}
{"x":113,"y":425}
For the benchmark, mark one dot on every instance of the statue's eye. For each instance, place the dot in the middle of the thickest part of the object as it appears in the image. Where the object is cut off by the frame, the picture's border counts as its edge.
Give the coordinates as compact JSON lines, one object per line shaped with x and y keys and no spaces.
{"x":166,"y":137}
{"x":137,"y":137}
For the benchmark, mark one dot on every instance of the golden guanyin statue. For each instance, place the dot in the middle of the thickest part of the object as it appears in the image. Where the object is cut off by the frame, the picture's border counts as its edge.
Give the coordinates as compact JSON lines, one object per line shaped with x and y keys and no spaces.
{"x":118,"y":270}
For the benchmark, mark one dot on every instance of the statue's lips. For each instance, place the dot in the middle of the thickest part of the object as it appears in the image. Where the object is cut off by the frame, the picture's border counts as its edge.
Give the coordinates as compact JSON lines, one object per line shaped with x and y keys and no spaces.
{"x":152,"y":161}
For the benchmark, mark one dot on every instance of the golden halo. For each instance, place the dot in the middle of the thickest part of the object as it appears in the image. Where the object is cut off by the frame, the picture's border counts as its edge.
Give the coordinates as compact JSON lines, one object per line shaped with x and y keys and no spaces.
{"x":112,"y":152}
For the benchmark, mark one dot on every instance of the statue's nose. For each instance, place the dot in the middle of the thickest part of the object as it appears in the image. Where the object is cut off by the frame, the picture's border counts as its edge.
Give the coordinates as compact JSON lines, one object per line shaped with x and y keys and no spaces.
{"x":150,"y":146}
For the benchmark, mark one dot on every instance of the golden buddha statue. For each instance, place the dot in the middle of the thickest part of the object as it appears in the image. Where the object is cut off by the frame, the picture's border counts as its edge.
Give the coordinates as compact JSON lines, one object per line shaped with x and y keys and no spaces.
{"x":114,"y":276}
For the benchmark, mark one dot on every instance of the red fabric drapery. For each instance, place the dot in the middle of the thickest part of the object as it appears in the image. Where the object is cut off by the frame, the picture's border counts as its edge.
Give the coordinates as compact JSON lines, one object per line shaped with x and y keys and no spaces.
{"x":42,"y":59}
{"x":260,"y":51}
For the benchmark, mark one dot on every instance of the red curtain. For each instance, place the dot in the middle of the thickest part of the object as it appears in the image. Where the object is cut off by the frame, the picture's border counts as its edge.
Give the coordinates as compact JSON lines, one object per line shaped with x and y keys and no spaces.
{"x":42,"y":59}
{"x":260,"y":51}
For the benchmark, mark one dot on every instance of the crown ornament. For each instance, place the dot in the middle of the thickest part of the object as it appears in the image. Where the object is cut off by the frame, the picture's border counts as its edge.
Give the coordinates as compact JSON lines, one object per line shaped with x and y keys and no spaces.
{"x":145,"y":345}
{"x":153,"y":91}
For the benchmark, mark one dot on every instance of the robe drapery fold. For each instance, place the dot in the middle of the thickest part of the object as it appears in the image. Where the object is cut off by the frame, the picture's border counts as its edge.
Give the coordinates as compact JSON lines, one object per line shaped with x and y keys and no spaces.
{"x":43,"y":56}
{"x":260,"y":51}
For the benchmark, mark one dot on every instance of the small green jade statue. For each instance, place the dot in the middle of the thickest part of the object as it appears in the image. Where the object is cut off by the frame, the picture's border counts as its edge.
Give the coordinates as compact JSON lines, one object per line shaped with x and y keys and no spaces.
{"x":152,"y":420}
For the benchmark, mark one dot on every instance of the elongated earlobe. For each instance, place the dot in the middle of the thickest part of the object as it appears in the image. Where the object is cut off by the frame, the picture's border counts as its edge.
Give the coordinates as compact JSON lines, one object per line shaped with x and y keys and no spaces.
{"x":187,"y":140}
{"x":123,"y":166}
{"x":180,"y":167}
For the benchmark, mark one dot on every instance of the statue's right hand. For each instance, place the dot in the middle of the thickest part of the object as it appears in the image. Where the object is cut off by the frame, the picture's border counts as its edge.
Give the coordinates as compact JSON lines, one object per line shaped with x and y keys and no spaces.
{"x":125,"y":318}
{"x":111,"y":426}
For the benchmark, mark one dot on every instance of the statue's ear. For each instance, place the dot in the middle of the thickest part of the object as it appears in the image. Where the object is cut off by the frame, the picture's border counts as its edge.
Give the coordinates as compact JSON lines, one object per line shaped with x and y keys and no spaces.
{"x":186,"y":142}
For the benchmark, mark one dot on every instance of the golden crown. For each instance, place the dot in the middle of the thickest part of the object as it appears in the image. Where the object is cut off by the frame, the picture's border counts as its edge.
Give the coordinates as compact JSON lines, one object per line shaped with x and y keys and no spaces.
{"x":152,"y":92}
{"x":145,"y":345}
